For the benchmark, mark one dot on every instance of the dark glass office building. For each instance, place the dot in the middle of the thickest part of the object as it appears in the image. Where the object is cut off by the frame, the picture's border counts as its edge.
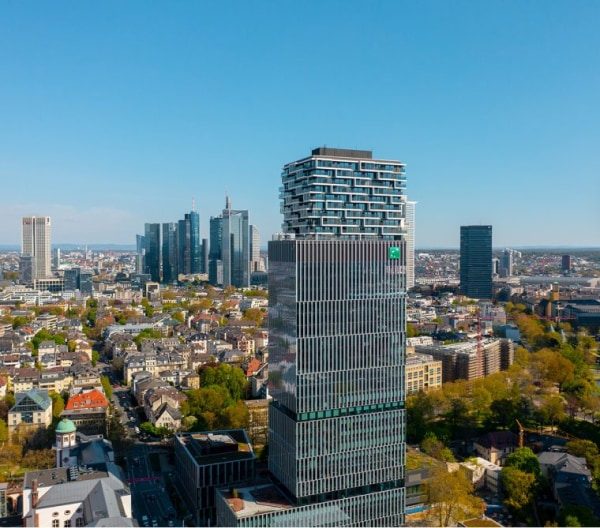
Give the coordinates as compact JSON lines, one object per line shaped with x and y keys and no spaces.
{"x":169,"y":252}
{"x":215,"y":264}
{"x":195,"y":252}
{"x":152,"y":251}
{"x":476,"y":261}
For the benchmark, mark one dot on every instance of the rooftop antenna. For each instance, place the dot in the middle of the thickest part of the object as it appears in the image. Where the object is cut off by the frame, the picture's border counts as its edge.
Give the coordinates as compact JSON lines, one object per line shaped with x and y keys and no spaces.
{"x":227,"y":202}
{"x":193,"y":204}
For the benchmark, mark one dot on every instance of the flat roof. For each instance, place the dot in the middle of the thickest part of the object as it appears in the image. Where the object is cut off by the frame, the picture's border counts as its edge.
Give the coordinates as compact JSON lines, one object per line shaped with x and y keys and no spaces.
{"x":342,"y":153}
{"x":257,"y":499}
{"x":216,"y":447}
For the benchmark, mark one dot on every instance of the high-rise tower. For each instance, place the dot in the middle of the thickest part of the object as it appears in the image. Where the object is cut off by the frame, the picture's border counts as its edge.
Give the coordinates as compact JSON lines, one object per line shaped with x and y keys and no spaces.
{"x":337,"y":283}
{"x":476,"y":261}
{"x":410,"y":243}
{"x":235,"y":247}
{"x":152,"y":250}
{"x":169,"y":252}
{"x":36,"y":243}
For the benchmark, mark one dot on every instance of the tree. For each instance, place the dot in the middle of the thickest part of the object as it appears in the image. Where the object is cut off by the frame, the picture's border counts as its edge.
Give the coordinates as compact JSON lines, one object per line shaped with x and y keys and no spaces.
{"x":582,"y":448}
{"x":435,"y":448}
{"x":524,"y":459}
{"x":58,"y":404}
{"x":3,"y":431}
{"x":552,"y":410}
{"x":107,"y":387}
{"x":236,"y":416}
{"x":572,"y":515}
{"x":450,"y":496}
{"x":224,"y":375}
{"x":518,"y":488}
{"x":254,"y":316}
{"x":95,"y":357}
{"x":146,"y":333}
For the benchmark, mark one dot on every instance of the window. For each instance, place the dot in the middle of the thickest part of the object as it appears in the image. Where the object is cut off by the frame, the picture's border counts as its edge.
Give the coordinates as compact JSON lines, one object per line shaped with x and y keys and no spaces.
{"x":55,"y":523}
{"x":67,"y":512}
{"x":67,"y":523}
{"x":79,"y":521}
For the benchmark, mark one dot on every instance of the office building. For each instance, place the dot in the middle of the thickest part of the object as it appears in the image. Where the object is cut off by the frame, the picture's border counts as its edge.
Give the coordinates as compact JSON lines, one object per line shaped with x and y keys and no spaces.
{"x":169,"y":252}
{"x":566,"y":263}
{"x":26,"y":269}
{"x":140,"y":249}
{"x":254,"y":249}
{"x":195,"y":260}
{"x":207,"y":461}
{"x":506,"y":263}
{"x":204,"y":256}
{"x":215,"y":262}
{"x":71,"y":279}
{"x":410,"y":244}
{"x":152,"y":251}
{"x":86,"y":285}
{"x":56,"y":258}
{"x":36,"y":243}
{"x":235,"y":247}
{"x":423,"y":373}
{"x":476,"y":261}
{"x":336,"y":349}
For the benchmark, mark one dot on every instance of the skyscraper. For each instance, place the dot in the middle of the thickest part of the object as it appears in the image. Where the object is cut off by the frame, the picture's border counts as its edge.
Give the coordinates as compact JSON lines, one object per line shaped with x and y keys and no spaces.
{"x":140,"y":250}
{"x":235,"y":247}
{"x":204,"y":256}
{"x":36,"y":243}
{"x":506,"y":263}
{"x":476,"y":261}
{"x":169,"y":252}
{"x":254,"y":249}
{"x":195,"y":261}
{"x":410,"y":244}
{"x":152,"y":251}
{"x":566,"y":263}
{"x":215,"y":264}
{"x":336,"y":354}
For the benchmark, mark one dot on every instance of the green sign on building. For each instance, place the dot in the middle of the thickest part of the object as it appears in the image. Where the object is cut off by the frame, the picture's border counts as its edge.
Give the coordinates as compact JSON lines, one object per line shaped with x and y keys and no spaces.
{"x":394,"y":252}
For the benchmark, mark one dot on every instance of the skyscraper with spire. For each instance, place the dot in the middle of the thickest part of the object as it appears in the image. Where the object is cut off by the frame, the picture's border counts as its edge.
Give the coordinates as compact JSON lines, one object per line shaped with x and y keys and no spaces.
{"x":235,"y":246}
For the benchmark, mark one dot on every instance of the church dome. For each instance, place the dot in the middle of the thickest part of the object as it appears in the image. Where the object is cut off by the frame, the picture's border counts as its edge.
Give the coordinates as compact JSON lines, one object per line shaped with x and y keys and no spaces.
{"x":65,"y":426}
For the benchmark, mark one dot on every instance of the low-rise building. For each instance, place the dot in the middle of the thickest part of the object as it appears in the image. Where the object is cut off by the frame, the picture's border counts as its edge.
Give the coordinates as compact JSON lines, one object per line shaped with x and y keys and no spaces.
{"x":32,"y":410}
{"x":88,"y":411}
{"x":206,"y":461}
{"x":422,"y":373}
{"x":496,"y":446}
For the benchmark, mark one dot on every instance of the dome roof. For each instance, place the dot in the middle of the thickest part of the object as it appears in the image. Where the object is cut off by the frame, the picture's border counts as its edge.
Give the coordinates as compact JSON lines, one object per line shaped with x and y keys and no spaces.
{"x":65,"y":426}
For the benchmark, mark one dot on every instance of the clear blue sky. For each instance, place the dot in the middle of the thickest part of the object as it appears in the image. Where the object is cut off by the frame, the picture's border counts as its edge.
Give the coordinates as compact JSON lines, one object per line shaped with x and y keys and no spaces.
{"x":117,"y":113}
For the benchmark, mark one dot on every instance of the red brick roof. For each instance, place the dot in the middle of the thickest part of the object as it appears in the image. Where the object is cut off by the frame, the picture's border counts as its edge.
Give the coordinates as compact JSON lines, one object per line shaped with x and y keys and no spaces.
{"x":87,"y":400}
{"x":253,"y":366}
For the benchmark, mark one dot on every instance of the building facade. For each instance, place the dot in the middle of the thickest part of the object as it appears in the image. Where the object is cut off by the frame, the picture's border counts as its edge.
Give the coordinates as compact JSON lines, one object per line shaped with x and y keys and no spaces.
{"x":476,"y":261}
{"x":235,"y":247}
{"x":410,"y":243}
{"x":206,"y":461}
{"x":152,"y":251}
{"x":337,"y":287}
{"x":169,"y":252}
{"x":215,"y":262}
{"x":36,"y":243}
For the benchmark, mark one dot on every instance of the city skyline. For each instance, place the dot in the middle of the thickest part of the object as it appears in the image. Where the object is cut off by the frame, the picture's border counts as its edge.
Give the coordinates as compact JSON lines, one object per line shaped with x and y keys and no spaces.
{"x":468,"y":97}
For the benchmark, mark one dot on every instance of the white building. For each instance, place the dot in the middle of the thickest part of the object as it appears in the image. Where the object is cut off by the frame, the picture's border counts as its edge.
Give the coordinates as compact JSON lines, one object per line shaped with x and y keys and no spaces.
{"x":36,"y":243}
{"x":410,"y":244}
{"x":73,"y":494}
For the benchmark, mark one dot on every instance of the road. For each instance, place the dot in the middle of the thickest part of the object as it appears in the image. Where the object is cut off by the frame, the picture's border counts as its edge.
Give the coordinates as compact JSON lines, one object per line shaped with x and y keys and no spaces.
{"x":148,"y":488}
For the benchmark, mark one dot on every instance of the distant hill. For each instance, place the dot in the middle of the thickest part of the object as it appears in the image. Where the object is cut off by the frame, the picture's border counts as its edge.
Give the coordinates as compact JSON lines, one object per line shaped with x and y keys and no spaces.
{"x":71,"y":247}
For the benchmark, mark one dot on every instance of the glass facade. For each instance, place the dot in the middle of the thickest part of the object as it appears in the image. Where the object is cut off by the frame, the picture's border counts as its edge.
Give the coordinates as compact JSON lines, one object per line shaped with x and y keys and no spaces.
{"x":235,"y":248}
{"x":169,"y":252}
{"x":195,"y":257}
{"x":476,"y":261}
{"x":152,"y":253}
{"x":214,"y":255}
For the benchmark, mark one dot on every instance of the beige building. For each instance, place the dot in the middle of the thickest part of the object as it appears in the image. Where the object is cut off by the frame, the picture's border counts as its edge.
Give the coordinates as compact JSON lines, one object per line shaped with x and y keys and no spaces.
{"x":422,"y":373}
{"x":32,"y":410}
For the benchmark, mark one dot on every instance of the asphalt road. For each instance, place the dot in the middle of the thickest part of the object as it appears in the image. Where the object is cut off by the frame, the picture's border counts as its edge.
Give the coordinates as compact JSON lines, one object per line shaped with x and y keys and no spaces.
{"x":148,"y":489}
